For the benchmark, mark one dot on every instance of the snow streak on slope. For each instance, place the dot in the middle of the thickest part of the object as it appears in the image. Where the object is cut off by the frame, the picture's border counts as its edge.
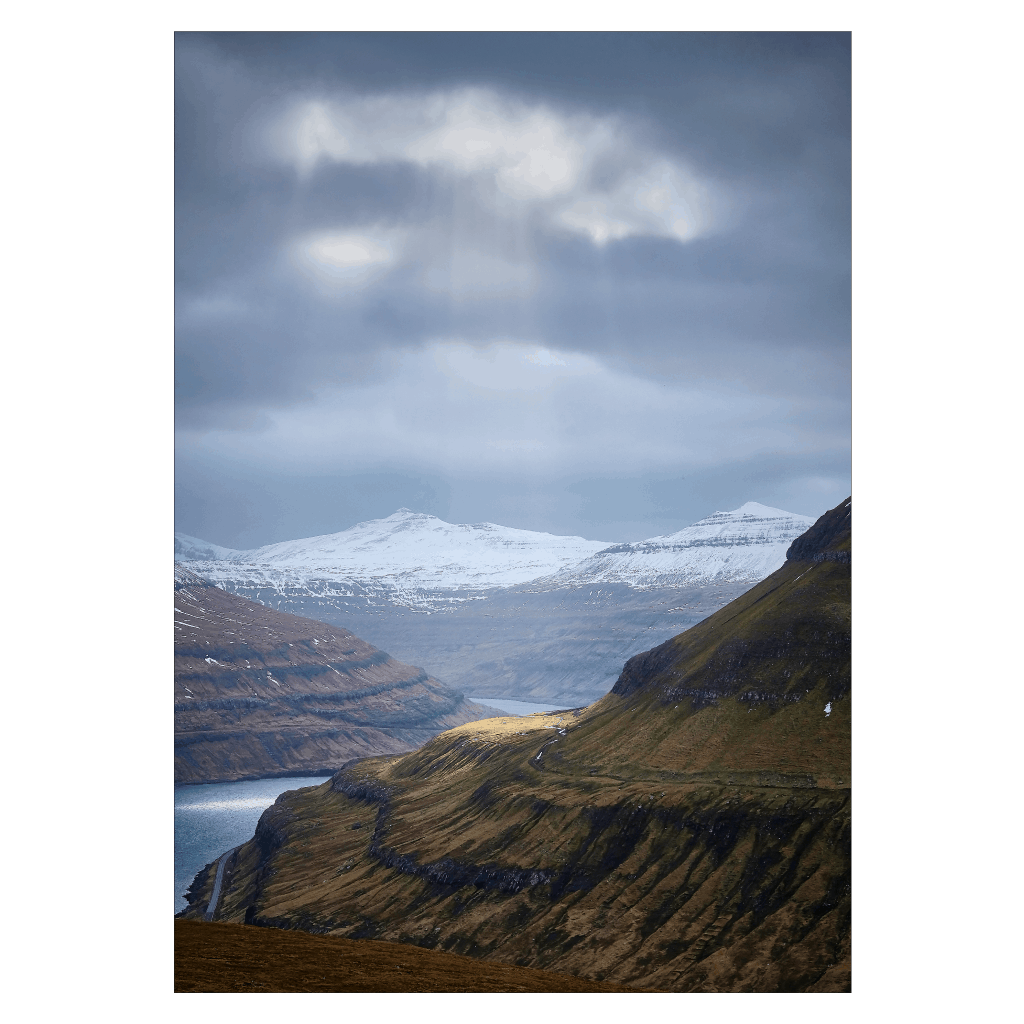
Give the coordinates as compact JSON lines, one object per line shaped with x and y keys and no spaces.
{"x":405,"y":550}
{"x":744,"y":545}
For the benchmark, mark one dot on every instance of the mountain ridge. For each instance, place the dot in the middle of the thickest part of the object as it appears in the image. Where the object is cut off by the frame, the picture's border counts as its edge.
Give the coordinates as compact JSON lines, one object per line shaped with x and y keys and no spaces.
{"x":260,"y":693}
{"x":409,"y":550}
{"x":690,"y":831}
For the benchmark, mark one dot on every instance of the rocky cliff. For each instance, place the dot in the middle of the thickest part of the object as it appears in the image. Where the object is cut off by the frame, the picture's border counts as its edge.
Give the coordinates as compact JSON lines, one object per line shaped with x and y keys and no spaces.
{"x":260,"y":693}
{"x":830,"y":539}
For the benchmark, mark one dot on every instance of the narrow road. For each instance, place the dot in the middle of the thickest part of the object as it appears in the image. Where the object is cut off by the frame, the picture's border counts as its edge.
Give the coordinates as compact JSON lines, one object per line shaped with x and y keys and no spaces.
{"x":215,"y":895}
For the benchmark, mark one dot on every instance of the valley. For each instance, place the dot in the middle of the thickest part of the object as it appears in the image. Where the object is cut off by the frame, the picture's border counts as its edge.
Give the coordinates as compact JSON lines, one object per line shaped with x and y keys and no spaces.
{"x":554,"y":646}
{"x":508,"y":613}
{"x":689,"y":831}
{"x":262,"y":694}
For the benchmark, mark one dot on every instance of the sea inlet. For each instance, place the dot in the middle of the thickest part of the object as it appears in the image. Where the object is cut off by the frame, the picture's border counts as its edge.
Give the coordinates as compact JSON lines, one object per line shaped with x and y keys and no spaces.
{"x":212,"y":819}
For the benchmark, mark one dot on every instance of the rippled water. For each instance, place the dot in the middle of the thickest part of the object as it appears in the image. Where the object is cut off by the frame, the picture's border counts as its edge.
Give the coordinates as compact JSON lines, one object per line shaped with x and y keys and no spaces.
{"x":209,"y":820}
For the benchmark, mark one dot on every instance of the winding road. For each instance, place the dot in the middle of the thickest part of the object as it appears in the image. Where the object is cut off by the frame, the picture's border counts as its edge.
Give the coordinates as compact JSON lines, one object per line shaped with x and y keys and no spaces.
{"x":215,"y":895}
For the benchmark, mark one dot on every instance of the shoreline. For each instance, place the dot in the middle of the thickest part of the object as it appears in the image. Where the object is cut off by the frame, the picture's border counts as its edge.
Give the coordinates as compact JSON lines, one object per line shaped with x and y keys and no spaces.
{"x":325,"y":773}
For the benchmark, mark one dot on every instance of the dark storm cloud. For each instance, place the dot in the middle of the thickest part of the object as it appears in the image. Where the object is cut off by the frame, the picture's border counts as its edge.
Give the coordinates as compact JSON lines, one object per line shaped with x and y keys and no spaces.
{"x":325,"y":225}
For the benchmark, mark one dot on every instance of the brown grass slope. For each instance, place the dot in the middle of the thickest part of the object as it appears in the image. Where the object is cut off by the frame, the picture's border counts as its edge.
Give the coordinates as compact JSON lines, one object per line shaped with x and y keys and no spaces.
{"x":236,"y":958}
{"x":260,"y":693}
{"x":689,"y":831}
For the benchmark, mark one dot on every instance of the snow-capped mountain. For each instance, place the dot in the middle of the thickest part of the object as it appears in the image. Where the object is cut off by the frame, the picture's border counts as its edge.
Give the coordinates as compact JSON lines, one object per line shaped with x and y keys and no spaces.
{"x":411,"y":551}
{"x":509,"y":612}
{"x":192,"y":549}
{"x":741,"y":546}
{"x":407,"y":549}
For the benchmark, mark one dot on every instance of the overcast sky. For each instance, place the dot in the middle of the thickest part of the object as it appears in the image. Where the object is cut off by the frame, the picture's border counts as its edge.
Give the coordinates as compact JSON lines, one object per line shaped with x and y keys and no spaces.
{"x":581,"y":283}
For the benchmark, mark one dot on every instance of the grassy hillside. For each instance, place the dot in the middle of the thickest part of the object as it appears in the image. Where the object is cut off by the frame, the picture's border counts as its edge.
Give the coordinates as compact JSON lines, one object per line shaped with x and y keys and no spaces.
{"x":260,"y":693}
{"x":689,"y":831}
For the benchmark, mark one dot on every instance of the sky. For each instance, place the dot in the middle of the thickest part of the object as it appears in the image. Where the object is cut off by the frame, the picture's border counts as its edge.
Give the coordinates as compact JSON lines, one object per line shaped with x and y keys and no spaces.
{"x":583,"y":283}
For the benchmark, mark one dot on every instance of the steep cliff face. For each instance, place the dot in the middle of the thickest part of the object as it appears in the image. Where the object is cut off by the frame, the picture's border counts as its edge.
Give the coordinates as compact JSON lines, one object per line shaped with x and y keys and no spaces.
{"x":828,"y":540}
{"x":689,"y":831}
{"x":260,"y":693}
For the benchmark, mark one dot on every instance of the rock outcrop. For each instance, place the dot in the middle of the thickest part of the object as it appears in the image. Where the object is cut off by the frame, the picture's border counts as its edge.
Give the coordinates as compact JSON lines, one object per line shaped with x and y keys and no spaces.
{"x":830,"y":539}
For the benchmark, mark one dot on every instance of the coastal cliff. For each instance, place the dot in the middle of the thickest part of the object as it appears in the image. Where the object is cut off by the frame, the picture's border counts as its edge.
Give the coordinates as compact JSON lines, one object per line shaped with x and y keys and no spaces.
{"x":260,"y":693}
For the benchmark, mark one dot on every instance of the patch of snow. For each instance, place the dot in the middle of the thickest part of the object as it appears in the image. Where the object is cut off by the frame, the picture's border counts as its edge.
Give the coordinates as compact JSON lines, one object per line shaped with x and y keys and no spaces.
{"x":828,"y":709}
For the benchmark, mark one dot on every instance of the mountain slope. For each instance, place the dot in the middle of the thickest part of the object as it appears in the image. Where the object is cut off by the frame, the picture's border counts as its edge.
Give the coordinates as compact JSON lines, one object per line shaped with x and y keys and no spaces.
{"x":689,"y":831}
{"x":192,"y":549}
{"x":742,"y":546}
{"x":258,"y":693}
{"x":411,"y":549}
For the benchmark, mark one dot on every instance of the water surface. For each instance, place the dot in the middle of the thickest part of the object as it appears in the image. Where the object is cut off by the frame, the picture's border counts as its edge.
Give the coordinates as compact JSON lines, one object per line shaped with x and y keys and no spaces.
{"x":211,"y":819}
{"x":517,"y":707}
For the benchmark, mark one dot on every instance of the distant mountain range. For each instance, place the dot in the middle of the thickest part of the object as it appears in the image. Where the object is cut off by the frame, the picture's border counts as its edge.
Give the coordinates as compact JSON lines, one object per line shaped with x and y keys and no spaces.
{"x":742,"y":546}
{"x":412,"y":550}
{"x":494,"y":611}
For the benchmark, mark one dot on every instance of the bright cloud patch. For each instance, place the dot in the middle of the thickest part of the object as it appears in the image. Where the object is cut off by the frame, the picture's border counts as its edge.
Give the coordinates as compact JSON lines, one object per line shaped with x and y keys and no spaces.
{"x":530,"y":151}
{"x":317,"y":134}
{"x":344,"y":258}
{"x":659,"y":201}
{"x":348,"y":251}
{"x":594,"y":217}
{"x":529,"y":155}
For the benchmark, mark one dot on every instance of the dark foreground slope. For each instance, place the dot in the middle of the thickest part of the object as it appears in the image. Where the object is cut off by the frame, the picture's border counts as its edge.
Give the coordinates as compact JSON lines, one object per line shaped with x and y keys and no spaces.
{"x":259,"y":693}
{"x":236,"y":958}
{"x":689,"y":831}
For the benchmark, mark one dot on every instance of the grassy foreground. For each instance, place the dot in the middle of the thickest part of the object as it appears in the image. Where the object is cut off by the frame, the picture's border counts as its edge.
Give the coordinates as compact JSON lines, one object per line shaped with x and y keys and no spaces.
{"x":214,"y":957}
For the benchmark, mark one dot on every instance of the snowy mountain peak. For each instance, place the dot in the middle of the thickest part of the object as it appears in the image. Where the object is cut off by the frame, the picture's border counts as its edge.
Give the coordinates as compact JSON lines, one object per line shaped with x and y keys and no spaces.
{"x":193,"y":549}
{"x":754,"y":508}
{"x":409,"y":550}
{"x":751,"y":519}
{"x":743,"y":545}
{"x":404,"y":515}
{"x":414,"y":549}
